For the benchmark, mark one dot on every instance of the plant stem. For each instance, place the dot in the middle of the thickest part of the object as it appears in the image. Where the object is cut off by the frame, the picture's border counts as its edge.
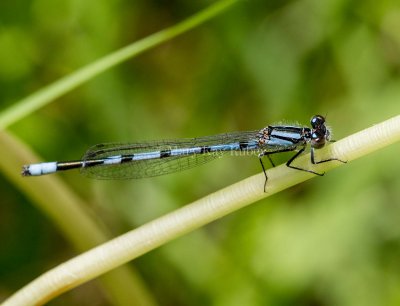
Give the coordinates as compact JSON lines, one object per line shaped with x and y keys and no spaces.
{"x":210,"y":208}
{"x":53,"y":91}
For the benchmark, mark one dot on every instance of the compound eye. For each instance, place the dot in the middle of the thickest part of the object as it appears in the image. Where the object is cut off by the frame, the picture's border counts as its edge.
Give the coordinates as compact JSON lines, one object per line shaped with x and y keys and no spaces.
{"x":317,"y":140}
{"x":317,"y":121}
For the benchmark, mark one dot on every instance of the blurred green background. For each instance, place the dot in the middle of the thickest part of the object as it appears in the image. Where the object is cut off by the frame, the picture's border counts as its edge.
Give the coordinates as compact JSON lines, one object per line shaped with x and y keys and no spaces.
{"x":330,"y":241}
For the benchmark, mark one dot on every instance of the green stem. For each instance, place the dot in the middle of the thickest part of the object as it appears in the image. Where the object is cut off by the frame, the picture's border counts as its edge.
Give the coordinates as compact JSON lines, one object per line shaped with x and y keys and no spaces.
{"x":59,"y":203}
{"x":53,"y":91}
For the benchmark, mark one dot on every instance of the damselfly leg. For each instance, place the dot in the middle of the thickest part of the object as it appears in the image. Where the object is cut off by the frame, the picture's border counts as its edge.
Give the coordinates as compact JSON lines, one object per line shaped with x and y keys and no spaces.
{"x":152,"y":158}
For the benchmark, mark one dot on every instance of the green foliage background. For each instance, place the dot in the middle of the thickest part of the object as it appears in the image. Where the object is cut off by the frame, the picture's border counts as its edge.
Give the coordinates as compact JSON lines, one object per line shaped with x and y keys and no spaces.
{"x":329,"y":241}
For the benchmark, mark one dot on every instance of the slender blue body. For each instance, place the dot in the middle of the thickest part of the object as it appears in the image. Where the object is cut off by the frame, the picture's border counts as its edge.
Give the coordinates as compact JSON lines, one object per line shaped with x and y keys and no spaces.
{"x":147,"y":159}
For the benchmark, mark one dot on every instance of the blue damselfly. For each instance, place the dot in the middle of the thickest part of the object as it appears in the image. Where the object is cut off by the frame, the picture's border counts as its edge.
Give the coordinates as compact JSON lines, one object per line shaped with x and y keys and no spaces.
{"x":147,"y":159}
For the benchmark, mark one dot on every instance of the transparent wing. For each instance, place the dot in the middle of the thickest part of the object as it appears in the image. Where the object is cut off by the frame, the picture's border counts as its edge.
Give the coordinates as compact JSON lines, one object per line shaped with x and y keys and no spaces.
{"x":159,"y":166}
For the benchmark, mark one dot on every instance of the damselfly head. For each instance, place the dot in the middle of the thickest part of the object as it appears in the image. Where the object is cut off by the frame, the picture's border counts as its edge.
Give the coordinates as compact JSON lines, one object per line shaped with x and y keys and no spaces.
{"x":320,"y":133}
{"x":317,"y":121}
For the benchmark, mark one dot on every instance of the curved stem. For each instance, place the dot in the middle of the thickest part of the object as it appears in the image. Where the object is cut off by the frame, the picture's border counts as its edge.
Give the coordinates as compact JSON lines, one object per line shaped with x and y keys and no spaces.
{"x":216,"y":205}
{"x":123,"y":284}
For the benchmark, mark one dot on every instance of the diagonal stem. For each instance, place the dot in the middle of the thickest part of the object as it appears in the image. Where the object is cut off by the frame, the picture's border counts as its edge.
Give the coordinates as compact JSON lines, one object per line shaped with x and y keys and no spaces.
{"x":53,"y":91}
{"x":137,"y":242}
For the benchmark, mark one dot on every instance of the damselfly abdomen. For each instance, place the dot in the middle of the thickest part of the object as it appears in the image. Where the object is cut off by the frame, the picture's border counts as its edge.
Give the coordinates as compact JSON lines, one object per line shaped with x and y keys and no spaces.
{"x":147,"y":159}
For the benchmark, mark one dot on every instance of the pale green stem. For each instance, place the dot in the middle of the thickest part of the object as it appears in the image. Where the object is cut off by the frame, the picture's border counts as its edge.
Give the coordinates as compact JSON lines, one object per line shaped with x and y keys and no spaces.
{"x":122,"y":284}
{"x":216,"y":205}
{"x":69,"y":213}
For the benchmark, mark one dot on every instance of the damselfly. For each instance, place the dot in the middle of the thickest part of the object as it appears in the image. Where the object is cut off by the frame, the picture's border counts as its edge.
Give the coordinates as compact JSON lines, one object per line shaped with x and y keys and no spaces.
{"x":147,"y":159}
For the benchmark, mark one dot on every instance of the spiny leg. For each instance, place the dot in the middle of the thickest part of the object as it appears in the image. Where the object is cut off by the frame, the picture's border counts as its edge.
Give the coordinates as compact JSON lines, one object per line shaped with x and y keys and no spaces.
{"x":324,"y":160}
{"x":263,"y":168}
{"x":289,"y":162}
{"x":270,"y":159}
{"x":266,"y":153}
